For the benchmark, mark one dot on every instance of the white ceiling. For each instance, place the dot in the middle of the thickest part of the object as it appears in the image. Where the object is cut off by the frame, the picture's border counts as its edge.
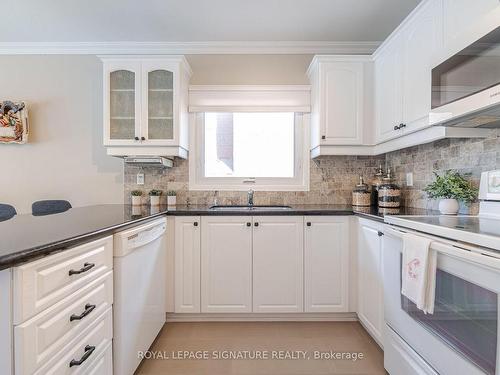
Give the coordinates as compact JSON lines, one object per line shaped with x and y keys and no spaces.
{"x":201,"y":20}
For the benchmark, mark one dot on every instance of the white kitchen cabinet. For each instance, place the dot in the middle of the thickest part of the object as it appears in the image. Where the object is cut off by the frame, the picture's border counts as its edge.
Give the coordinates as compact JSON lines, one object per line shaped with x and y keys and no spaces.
{"x":326,"y":268}
{"x":39,"y":284}
{"x":278,"y":264}
{"x":6,"y":322}
{"x":187,"y":264}
{"x":226,"y":264}
{"x":145,"y":105}
{"x":338,"y":96}
{"x":388,"y":91}
{"x":422,"y":41}
{"x":370,"y":288}
{"x":403,"y":73}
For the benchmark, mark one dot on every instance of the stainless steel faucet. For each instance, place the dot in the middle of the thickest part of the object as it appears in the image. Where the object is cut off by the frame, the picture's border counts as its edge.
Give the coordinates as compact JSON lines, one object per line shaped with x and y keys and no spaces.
{"x":250,"y":197}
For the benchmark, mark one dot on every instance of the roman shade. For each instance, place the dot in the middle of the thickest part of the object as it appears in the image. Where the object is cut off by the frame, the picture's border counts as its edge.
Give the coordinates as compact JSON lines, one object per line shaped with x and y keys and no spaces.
{"x":275,"y":98}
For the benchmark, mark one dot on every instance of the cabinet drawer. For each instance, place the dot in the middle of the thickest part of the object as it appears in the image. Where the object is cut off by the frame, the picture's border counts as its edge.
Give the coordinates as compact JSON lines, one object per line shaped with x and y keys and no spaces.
{"x":103,"y":363}
{"x":42,"y":283}
{"x":40,"y":338}
{"x":85,"y":348}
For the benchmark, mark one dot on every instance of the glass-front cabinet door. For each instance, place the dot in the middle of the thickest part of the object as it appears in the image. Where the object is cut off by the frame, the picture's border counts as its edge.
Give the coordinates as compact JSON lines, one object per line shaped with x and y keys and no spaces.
{"x":158,"y":102}
{"x":122,"y":115}
{"x":160,"y":105}
{"x":146,"y":105}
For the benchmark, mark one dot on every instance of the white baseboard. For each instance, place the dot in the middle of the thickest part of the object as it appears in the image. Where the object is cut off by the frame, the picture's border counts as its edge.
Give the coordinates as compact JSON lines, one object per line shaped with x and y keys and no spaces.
{"x":251,"y":317}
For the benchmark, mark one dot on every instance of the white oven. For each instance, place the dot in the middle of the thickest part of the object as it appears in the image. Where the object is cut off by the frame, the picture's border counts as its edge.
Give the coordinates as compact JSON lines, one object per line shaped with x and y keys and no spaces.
{"x":462,"y":335}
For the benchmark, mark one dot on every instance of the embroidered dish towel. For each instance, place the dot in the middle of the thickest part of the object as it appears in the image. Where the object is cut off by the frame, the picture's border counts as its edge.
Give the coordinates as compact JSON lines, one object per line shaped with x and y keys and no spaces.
{"x":419,"y":272}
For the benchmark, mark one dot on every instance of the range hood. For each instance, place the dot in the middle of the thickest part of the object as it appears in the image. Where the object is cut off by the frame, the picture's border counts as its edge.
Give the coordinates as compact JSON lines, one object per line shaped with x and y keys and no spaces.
{"x":150,"y":161}
{"x":480,"y":118}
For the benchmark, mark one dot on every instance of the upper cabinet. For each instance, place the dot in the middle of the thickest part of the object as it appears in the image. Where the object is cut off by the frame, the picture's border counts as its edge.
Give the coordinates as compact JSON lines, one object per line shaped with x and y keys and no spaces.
{"x":388,"y":88}
{"x":339,"y":96}
{"x":403,"y":74}
{"x":145,"y":105}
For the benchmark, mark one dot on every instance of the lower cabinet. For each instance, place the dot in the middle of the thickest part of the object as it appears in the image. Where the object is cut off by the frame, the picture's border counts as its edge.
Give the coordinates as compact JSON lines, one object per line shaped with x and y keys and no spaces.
{"x":261,"y":264}
{"x":226,"y":264}
{"x":326,"y":257}
{"x":187,"y":264}
{"x":278,"y":253}
{"x":370,"y":287}
{"x":59,"y":316}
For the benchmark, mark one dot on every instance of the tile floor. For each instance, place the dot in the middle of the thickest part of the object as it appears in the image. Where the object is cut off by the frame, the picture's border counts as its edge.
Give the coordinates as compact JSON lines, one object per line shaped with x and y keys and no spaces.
{"x":263,"y":337}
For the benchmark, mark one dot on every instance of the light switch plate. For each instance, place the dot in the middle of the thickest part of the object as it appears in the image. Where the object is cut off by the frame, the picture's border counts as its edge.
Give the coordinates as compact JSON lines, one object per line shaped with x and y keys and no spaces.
{"x":140,"y":178}
{"x":409,"y":179}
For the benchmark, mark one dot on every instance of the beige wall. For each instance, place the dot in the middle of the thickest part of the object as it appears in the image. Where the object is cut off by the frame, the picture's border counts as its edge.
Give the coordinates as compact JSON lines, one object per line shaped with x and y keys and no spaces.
{"x":65,"y":157}
{"x":249,"y":69}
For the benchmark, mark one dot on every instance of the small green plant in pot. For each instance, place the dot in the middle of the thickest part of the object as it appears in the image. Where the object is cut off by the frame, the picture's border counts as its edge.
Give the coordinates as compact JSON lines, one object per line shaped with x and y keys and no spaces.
{"x":154,"y":197}
{"x":171,"y":198}
{"x":136,"y":197}
{"x":450,"y":188}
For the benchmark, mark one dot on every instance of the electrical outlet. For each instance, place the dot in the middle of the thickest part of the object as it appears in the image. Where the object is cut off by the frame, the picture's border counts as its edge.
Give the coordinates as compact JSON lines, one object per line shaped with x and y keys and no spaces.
{"x":409,"y":179}
{"x":140,"y":178}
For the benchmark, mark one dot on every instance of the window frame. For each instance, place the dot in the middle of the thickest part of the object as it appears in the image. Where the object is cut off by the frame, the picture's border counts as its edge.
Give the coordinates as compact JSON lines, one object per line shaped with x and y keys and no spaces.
{"x":197,"y":180}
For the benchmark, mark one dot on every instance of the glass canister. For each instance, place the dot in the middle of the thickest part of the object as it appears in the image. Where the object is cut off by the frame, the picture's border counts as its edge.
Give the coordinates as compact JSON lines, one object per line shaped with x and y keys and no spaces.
{"x":377,"y":180}
{"x":389,"y":194}
{"x":361,"y":195}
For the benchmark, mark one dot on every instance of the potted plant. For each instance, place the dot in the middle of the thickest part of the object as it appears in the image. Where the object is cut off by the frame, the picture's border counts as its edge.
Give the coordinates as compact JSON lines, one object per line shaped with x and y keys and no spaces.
{"x":171,"y":198}
{"x":136,"y":197}
{"x":154,"y":197}
{"x":450,"y":188}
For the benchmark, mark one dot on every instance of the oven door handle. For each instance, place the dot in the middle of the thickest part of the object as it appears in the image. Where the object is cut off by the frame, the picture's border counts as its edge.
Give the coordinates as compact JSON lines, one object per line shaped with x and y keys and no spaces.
{"x":448,"y":248}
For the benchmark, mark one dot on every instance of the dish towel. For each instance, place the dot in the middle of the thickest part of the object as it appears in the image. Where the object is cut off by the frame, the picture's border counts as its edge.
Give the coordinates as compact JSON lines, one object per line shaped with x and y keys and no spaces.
{"x":418,"y":272}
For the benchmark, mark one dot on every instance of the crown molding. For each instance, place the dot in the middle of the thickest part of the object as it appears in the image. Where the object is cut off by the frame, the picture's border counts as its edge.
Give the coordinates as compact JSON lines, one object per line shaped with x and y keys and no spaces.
{"x":186,"y":48}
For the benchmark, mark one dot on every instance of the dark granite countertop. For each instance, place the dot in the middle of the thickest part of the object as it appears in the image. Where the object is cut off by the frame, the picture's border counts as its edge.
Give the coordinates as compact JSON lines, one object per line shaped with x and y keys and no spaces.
{"x":25,"y":237}
{"x":378,"y":214}
{"x":295,"y":210}
{"x":373,"y":213}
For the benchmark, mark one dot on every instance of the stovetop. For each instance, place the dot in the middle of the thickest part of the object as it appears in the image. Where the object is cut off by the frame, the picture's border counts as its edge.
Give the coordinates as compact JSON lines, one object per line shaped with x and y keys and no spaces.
{"x":477,"y":230}
{"x":473,"y":224}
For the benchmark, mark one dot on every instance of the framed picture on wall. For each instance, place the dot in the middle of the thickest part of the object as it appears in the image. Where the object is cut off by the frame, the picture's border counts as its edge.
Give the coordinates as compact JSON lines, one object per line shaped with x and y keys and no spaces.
{"x":13,"y":122}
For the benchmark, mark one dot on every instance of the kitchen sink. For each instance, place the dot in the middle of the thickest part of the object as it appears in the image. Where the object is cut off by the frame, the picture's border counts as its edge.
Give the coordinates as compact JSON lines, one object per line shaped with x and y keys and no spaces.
{"x":253,"y":208}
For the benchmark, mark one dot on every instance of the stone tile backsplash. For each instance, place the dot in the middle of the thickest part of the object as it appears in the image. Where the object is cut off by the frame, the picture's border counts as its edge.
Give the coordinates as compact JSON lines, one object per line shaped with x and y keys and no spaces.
{"x":331,"y":182}
{"x":472,"y":155}
{"x":333,"y":177}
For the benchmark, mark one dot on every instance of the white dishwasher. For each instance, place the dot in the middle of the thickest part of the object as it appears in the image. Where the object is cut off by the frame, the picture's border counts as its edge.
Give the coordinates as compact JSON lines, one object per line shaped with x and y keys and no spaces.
{"x":139,"y":309}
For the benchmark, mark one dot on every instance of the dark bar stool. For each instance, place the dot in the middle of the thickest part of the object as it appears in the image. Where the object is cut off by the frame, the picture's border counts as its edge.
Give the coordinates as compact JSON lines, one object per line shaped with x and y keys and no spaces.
{"x":7,"y":212}
{"x":49,"y":207}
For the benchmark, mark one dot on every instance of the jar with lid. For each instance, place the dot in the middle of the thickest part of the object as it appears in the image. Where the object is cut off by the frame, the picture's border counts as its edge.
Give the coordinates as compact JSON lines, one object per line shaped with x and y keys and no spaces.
{"x":377,"y":180}
{"x":361,"y":195}
{"x":389,"y":194}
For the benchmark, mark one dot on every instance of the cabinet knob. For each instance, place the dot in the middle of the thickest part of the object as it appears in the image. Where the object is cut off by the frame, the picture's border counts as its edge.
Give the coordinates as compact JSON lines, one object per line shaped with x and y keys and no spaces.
{"x":380,"y":234}
{"x":403,"y":125}
{"x":195,"y":223}
{"x":308,"y":223}
{"x":249,"y":224}
{"x":396,"y":127}
{"x":256,"y":224}
{"x":136,"y":138}
{"x":143,"y":138}
{"x":323,"y":137}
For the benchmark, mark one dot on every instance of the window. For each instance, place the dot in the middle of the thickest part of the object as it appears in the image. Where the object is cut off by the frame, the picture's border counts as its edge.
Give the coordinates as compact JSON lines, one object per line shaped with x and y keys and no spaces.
{"x":243,"y":150}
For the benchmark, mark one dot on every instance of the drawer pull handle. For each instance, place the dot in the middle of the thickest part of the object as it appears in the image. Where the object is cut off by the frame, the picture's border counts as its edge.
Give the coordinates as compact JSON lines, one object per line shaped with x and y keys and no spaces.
{"x":85,"y":268}
{"x":88,"y":352}
{"x":380,"y":234}
{"x":88,"y":309}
